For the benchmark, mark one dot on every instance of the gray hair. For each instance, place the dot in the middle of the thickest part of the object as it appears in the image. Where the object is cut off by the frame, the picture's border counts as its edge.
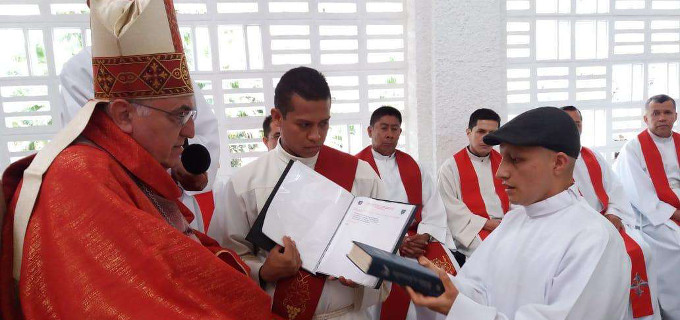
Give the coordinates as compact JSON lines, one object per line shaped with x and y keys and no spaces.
{"x":659,"y":98}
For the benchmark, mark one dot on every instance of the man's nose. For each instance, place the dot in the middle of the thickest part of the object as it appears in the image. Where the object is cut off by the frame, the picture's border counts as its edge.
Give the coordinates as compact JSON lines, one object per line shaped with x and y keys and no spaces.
{"x":189,"y":129}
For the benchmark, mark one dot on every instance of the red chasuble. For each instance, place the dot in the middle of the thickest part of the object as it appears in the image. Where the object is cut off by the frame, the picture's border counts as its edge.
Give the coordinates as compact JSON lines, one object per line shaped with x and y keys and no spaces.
{"x":640,"y":298}
{"x":397,"y":303}
{"x":296,"y":298}
{"x":656,"y":170}
{"x":469,"y":185}
{"x":97,"y":247}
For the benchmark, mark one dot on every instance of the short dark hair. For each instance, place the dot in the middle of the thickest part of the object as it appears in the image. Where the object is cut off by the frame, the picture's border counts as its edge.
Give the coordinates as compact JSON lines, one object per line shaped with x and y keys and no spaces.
{"x":385,"y":111}
{"x":483,"y":114}
{"x":267,"y":126}
{"x":572,"y":109}
{"x":660,"y":98}
{"x":306,"y":82}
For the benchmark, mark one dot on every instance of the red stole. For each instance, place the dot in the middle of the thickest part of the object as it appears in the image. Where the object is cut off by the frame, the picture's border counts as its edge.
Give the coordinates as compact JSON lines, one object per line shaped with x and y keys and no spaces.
{"x":116,"y":234}
{"x":640,"y":299}
{"x":206,"y":202}
{"x":469,"y":185}
{"x":655,"y":168}
{"x":297,"y":297}
{"x":397,"y":303}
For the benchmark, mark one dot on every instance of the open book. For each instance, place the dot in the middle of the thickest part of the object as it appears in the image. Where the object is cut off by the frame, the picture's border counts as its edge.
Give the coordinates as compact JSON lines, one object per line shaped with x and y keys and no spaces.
{"x":324,"y":219}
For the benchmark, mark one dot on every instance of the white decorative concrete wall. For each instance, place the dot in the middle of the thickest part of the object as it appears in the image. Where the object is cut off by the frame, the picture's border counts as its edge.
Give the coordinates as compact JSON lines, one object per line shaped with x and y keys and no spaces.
{"x":459,"y":65}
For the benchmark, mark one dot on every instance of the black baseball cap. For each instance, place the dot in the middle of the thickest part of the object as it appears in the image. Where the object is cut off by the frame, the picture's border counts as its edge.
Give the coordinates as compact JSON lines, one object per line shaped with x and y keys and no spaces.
{"x":547,"y":127}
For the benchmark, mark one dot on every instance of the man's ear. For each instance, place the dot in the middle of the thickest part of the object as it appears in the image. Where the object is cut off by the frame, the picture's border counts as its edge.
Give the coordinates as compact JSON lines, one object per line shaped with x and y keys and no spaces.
{"x":562,"y":163}
{"x":276,"y":115}
{"x":370,"y":131}
{"x":120,"y":111}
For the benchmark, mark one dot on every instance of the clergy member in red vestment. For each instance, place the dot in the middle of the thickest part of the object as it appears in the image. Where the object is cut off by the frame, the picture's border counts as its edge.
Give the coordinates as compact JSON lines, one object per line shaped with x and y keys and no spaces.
{"x":649,"y":169}
{"x":302,"y":101}
{"x":95,"y":229}
{"x":474,"y":198}
{"x":407,"y":182}
{"x":602,"y":190}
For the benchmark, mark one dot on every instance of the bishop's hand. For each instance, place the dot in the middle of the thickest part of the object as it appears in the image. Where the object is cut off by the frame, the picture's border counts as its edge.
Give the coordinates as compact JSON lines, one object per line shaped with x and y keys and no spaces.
{"x":441,"y":304}
{"x":676,"y":216}
{"x":282,"y":262}
{"x":189,"y":181}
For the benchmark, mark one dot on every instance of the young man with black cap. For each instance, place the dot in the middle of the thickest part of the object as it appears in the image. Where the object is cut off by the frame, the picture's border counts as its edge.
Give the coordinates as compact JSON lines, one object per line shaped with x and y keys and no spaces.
{"x":405,"y":181}
{"x":475,"y":200}
{"x":553,"y":257}
{"x":302,"y":101}
{"x":602,"y":190}
{"x":649,"y":169}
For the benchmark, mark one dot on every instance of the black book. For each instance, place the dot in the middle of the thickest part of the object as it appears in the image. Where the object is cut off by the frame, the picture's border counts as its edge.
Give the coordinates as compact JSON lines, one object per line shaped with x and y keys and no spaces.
{"x":391,"y":267}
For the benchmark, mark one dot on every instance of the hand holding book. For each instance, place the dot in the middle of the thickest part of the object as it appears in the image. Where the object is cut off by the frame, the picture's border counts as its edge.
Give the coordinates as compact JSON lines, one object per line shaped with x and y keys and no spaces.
{"x":281,"y":262}
{"x":441,"y":304}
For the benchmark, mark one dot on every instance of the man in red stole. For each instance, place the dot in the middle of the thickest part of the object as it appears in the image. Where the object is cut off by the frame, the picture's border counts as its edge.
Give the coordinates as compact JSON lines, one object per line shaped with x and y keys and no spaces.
{"x":302,"y":101}
{"x":95,"y":229}
{"x":407,"y":182}
{"x":649,"y":171}
{"x":602,"y":190}
{"x":474,"y":198}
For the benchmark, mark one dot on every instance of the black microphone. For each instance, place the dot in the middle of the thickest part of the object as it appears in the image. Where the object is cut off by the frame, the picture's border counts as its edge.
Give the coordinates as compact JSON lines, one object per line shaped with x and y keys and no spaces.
{"x":195,"y":158}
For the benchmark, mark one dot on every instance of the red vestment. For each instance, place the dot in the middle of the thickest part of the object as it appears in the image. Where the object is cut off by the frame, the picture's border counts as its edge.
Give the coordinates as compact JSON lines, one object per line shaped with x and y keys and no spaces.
{"x":469,"y":185}
{"x":297,"y":297}
{"x":397,"y":303}
{"x":96,"y":246}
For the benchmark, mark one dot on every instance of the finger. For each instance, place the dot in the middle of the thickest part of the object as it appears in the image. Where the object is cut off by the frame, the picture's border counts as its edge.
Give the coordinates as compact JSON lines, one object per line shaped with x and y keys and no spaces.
{"x":415,"y":296}
{"x":448,"y":284}
{"x":331,"y":278}
{"x":289,"y":248}
{"x":426,"y":263}
{"x":276,"y":250}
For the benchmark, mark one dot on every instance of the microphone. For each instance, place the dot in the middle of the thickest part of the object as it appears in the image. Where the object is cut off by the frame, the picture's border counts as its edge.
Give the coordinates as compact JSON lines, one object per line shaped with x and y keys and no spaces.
{"x":195,"y":158}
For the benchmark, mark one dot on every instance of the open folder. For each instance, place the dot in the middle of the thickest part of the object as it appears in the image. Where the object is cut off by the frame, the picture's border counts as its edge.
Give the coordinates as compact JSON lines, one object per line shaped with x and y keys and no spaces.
{"x":324,"y":219}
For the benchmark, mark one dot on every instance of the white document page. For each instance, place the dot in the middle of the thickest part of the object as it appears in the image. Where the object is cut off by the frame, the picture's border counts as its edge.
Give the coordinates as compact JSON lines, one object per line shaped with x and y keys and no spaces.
{"x":374,"y":222}
{"x":308,"y":208}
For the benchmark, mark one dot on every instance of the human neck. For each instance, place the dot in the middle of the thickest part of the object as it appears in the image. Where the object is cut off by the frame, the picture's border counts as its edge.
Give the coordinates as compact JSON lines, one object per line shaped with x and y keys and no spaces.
{"x":285,"y":147}
{"x":382,"y":153}
{"x":557,"y":188}
{"x":479,"y":154}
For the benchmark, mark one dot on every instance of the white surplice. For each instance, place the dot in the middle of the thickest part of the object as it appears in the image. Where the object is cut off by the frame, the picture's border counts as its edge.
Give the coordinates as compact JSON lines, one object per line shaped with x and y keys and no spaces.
{"x":463,"y":224}
{"x":555,"y":259}
{"x":620,"y":207}
{"x":661,"y":234}
{"x":238,"y":202}
{"x":77,"y":88}
{"x":433,"y":214}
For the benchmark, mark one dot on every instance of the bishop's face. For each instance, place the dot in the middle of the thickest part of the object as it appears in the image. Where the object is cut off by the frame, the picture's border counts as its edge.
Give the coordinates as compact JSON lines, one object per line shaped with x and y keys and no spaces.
{"x":163,"y":134}
{"x":384,"y":134}
{"x":526,"y":172}
{"x":660,"y":117}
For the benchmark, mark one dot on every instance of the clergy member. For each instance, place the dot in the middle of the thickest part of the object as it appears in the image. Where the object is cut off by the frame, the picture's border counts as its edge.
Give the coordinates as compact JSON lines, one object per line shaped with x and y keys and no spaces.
{"x":602,"y":190}
{"x":76,"y":89}
{"x":405,"y":181}
{"x":649,"y":171}
{"x":95,"y":229}
{"x":302,"y":101}
{"x":271,"y":133}
{"x":554,"y":257}
{"x":475,"y":200}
